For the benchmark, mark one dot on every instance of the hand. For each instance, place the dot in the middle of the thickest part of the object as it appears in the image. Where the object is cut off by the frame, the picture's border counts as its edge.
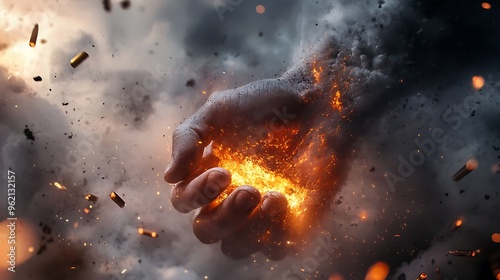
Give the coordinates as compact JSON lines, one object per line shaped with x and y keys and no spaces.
{"x":251,"y":120}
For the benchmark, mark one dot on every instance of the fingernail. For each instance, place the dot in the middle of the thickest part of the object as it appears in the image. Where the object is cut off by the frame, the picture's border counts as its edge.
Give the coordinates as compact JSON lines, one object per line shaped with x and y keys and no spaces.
{"x":220,"y":177}
{"x":273,"y":205}
{"x":245,"y":200}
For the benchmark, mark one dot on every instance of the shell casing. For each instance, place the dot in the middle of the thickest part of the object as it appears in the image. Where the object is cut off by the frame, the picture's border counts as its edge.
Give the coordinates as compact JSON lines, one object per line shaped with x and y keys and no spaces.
{"x":92,"y":198}
{"x":149,"y":233}
{"x":422,"y":276}
{"x":34,"y":36}
{"x":118,"y":200}
{"x":470,"y":166}
{"x":78,"y":59}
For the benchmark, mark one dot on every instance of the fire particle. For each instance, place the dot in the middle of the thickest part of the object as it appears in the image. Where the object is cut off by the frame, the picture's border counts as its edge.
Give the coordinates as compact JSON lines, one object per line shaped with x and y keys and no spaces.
{"x":463,"y":253}
{"x":456,"y":225}
{"x":422,"y":276}
{"x":378,"y":271}
{"x":477,"y":82}
{"x":486,"y":5}
{"x":60,"y":186}
{"x":495,"y":237}
{"x":260,"y":9}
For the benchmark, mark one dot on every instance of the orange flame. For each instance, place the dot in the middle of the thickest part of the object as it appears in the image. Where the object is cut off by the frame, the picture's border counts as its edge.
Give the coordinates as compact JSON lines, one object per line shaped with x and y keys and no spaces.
{"x":336,"y":103}
{"x":59,"y":186}
{"x":317,"y":73}
{"x":249,"y":171}
{"x":378,"y":271}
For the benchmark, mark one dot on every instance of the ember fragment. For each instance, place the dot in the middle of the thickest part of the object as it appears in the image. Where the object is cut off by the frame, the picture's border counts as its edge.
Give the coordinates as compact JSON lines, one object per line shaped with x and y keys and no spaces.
{"x":462,"y":253}
{"x":34,"y":36}
{"x":118,"y":200}
{"x":422,"y":276}
{"x":456,"y":225}
{"x":91,"y":198}
{"x":78,"y":59}
{"x":37,"y":79}
{"x":60,"y":186}
{"x":149,"y":233}
{"x":470,"y":166}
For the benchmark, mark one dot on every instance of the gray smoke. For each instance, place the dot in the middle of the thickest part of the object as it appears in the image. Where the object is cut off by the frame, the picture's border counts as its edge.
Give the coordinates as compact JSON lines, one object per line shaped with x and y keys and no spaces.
{"x":106,"y":126}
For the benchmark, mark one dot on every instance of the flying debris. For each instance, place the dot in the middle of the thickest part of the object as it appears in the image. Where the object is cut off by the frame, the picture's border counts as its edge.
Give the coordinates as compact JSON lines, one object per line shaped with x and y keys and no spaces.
{"x":37,"y":79}
{"x":107,"y":5}
{"x":470,"y":166}
{"x":59,"y":186}
{"x":422,"y":276}
{"x":125,"y":4}
{"x":463,"y":253}
{"x":118,"y":200}
{"x":29,"y":134}
{"x":149,"y":233}
{"x":92,"y":198}
{"x":78,"y":59}
{"x":456,"y":225}
{"x":34,"y":36}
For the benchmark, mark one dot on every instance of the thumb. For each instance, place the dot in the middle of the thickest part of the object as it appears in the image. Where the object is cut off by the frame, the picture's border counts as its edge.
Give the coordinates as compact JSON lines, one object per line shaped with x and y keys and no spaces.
{"x":188,"y":143}
{"x":192,"y":136}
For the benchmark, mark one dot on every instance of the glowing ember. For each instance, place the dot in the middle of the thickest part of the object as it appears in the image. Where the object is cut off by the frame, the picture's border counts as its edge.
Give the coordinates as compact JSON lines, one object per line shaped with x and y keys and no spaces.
{"x":378,"y":271}
{"x":422,"y":276}
{"x":456,"y":225}
{"x":336,"y":104}
{"x":477,"y":82}
{"x":363,"y":215}
{"x":463,"y":253}
{"x":495,"y":237}
{"x":486,"y":5}
{"x":246,"y":171}
{"x":260,"y":9}
{"x":316,"y":73}
{"x":59,"y":186}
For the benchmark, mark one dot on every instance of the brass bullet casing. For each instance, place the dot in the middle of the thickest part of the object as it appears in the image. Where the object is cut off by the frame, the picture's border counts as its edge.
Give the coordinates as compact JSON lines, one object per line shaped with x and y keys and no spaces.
{"x":78,"y":59}
{"x":118,"y":200}
{"x":149,"y":233}
{"x":91,"y":198}
{"x":34,"y":36}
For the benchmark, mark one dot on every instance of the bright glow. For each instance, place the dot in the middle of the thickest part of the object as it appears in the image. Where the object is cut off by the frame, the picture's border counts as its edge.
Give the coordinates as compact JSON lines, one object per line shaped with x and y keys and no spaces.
{"x":495,"y":237}
{"x":486,"y":5}
{"x":246,"y":171}
{"x":260,"y":9}
{"x":378,"y":271}
{"x":477,"y":82}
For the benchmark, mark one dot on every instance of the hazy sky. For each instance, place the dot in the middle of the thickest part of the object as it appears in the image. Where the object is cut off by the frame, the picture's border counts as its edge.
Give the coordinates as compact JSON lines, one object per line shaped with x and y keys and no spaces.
{"x":106,"y":126}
